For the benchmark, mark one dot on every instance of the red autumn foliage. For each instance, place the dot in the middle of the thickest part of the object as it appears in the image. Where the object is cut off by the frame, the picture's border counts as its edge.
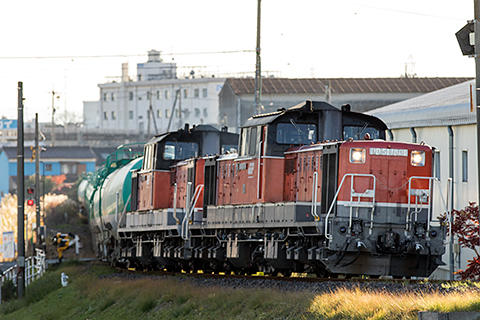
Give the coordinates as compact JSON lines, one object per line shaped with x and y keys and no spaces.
{"x":58,"y":180}
{"x":465,"y":227}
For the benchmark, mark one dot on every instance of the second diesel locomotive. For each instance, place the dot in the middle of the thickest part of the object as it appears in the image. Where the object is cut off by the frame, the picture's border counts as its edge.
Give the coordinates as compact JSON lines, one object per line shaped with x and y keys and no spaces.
{"x":351,"y":204}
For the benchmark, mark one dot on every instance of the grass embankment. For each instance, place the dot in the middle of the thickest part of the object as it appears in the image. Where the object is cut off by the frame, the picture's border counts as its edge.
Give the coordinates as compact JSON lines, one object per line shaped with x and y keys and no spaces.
{"x":88,"y":297}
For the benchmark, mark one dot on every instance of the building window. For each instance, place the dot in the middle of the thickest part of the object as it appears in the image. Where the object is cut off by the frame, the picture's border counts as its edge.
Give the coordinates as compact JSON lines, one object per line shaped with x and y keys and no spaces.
{"x":105,"y":115}
{"x":159,"y":95}
{"x":114,"y":116}
{"x":185,"y":93}
{"x":205,"y":112}
{"x":148,"y":95}
{"x":464,"y":165}
{"x":197,"y":112}
{"x":205,"y":93}
{"x":130,"y":96}
{"x":197,"y":93}
{"x":68,"y":168}
{"x":167,"y":113}
{"x":159,"y":113}
{"x":104,"y":97}
{"x":48,"y":167}
{"x":130,"y":114}
{"x":167,"y":95}
{"x":436,"y":164}
{"x":113,"y":96}
{"x":177,"y":113}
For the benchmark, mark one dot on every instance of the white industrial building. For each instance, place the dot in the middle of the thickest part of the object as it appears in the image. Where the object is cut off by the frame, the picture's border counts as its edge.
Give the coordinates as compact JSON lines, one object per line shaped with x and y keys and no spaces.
{"x":445,"y":119}
{"x":125,"y":105}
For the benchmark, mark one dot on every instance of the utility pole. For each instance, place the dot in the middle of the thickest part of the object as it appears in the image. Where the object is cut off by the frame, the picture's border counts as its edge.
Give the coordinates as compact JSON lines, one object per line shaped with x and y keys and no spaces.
{"x":476,"y":7}
{"x":37,"y":186}
{"x":472,"y":49}
{"x":20,"y":198}
{"x":177,"y":93}
{"x":53,"y":117}
{"x":258,"y":65}
{"x":180,"y":123}
{"x":150,"y":114}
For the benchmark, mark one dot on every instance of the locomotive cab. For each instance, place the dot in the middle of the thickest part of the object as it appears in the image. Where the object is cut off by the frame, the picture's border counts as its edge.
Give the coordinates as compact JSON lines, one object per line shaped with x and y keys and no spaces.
{"x":149,"y":191}
{"x":265,"y":138}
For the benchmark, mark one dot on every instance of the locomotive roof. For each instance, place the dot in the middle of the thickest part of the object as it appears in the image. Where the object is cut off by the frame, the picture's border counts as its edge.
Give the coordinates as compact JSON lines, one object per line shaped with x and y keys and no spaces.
{"x":186,"y":130}
{"x":307,"y":106}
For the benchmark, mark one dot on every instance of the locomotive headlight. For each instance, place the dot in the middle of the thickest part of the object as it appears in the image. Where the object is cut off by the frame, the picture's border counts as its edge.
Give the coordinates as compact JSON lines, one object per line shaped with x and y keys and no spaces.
{"x":357,"y":155}
{"x":418,"y":158}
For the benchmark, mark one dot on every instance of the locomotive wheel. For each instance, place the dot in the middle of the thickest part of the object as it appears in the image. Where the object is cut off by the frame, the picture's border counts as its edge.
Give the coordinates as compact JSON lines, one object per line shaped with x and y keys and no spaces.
{"x":287,"y":273}
{"x":322,"y":273}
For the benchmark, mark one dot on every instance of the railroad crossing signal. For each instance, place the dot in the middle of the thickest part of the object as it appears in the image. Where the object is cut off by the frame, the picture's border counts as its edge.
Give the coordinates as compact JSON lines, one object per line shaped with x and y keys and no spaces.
{"x":31,"y":201}
{"x":464,"y":37}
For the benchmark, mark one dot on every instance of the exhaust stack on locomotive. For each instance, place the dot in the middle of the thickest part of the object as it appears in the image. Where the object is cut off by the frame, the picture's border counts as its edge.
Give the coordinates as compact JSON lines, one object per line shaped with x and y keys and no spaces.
{"x":311,"y":189}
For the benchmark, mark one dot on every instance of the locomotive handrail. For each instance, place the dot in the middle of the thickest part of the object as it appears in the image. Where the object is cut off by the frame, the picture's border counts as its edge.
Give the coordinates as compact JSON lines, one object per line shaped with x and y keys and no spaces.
{"x":190,"y":209}
{"x":120,"y":221}
{"x":187,"y":209}
{"x":259,"y":164}
{"x":430,"y":203}
{"x":329,"y":236}
{"x":315,"y":196}
{"x":175,"y":203}
{"x":417,"y":193}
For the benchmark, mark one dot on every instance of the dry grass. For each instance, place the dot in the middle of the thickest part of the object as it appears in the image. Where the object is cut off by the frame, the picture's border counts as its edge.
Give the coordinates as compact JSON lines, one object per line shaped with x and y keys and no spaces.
{"x":9,"y":211}
{"x":355,"y":304}
{"x":89,"y":295}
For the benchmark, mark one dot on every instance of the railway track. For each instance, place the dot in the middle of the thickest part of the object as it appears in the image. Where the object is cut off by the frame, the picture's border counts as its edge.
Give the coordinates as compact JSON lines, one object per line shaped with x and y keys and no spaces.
{"x":304,"y":282}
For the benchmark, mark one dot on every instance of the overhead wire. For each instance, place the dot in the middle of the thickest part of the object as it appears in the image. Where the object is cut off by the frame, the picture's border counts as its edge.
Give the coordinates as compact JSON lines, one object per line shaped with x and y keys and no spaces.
{"x":398,"y":11}
{"x":126,"y":55}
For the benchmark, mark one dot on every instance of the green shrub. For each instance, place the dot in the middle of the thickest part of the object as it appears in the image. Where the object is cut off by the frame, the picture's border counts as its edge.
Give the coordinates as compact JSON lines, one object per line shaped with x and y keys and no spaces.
{"x":9,"y":291}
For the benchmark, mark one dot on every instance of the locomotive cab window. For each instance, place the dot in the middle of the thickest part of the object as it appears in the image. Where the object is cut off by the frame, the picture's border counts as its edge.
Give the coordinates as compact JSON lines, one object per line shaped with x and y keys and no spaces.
{"x":248,"y":141}
{"x":358,"y":133}
{"x":296,"y":133}
{"x":175,"y":150}
{"x":148,"y":157}
{"x":231,"y":148}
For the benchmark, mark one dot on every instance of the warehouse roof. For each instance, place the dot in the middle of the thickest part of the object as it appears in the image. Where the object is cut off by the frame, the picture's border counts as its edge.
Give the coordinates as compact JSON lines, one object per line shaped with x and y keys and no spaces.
{"x":448,"y":106}
{"x":59,"y":152}
{"x":343,"y":85}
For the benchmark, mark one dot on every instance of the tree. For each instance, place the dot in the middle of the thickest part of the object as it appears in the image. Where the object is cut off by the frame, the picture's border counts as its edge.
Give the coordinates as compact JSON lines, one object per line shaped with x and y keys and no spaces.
{"x":465,"y":227}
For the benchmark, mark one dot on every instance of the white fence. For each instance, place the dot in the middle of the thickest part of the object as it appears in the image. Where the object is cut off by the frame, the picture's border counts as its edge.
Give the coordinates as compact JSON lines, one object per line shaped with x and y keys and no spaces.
{"x":34,"y":269}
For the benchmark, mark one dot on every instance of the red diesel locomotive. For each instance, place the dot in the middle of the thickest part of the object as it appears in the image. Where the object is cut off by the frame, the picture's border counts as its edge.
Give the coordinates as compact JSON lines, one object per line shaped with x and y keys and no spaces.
{"x":312,"y":189}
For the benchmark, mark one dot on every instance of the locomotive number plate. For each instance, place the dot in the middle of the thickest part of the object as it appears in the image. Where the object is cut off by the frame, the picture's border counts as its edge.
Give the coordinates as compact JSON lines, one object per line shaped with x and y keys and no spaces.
{"x":389,"y":152}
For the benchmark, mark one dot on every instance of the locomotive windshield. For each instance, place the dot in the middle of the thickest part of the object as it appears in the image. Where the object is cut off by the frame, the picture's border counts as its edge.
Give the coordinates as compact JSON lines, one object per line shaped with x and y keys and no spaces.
{"x":296,"y":133}
{"x":175,"y":150}
{"x":231,"y":148}
{"x":358,"y":133}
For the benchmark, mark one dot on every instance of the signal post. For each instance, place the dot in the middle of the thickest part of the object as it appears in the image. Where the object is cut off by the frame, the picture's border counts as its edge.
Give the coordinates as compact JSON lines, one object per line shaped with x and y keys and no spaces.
{"x":20,"y":198}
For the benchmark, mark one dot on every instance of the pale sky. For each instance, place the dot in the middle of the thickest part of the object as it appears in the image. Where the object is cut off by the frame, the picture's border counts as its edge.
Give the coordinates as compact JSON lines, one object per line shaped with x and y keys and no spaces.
{"x":302,"y":38}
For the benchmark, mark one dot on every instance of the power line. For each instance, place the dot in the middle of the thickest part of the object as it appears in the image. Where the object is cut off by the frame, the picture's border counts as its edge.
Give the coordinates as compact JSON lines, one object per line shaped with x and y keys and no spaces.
{"x":127,"y":55}
{"x":399,"y":11}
